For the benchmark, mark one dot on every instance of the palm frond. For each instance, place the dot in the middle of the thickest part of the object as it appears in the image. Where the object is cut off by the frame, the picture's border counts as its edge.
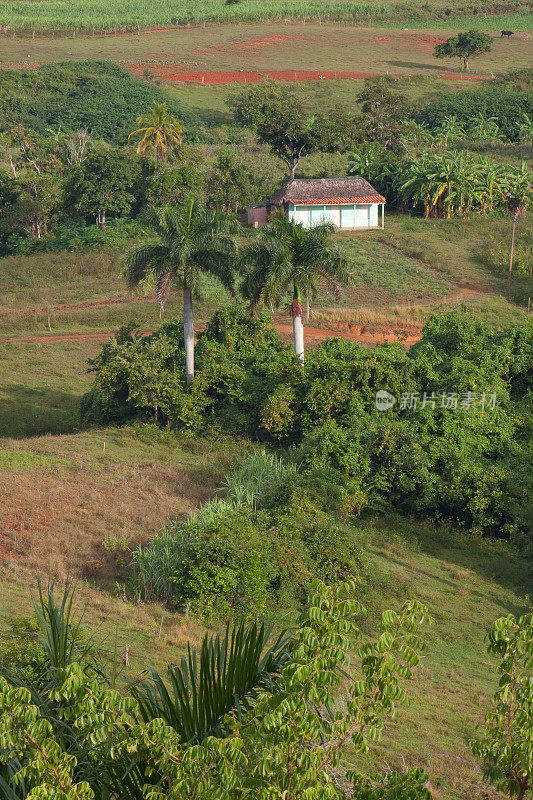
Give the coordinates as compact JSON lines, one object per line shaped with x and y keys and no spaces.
{"x":226,"y":676}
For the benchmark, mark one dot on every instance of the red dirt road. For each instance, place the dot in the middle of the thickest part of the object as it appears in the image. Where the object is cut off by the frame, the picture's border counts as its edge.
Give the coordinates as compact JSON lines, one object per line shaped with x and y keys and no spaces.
{"x":374,"y":334}
{"x":178,"y":74}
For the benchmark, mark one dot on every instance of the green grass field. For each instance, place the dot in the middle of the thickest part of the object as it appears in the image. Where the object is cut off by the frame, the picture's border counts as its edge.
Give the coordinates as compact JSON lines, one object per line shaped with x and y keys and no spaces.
{"x":274,"y":46}
{"x":98,"y":16}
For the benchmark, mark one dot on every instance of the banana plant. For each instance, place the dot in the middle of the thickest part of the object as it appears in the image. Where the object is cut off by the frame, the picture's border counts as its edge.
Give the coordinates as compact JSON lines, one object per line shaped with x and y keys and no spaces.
{"x":525,"y":128}
{"x":484,"y":129}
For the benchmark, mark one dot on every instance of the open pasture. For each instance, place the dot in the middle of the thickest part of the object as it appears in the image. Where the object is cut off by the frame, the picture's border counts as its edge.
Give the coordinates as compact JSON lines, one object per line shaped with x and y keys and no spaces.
{"x":267,"y":47}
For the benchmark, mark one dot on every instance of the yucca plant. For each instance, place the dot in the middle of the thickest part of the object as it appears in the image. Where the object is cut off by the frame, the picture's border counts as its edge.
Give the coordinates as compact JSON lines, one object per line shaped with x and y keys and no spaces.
{"x":228,"y":673}
{"x":64,"y":641}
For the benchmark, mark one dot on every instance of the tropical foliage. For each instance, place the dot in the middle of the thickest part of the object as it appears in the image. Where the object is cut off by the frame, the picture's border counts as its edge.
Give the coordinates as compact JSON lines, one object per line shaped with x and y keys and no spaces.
{"x":287,"y":256}
{"x":507,"y":744}
{"x":457,"y":457}
{"x":443,"y":184}
{"x":291,"y":738}
{"x":186,"y":242}
{"x":158,"y":131}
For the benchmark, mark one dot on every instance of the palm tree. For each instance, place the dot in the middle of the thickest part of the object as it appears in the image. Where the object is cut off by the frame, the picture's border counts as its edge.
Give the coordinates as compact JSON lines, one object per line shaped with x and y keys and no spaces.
{"x":186,"y":241}
{"x":518,"y":196}
{"x":158,"y":130}
{"x":287,"y":256}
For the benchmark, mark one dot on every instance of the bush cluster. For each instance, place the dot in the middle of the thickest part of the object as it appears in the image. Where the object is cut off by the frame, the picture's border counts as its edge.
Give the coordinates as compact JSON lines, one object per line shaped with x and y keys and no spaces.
{"x":233,"y":558}
{"x":469,"y":463}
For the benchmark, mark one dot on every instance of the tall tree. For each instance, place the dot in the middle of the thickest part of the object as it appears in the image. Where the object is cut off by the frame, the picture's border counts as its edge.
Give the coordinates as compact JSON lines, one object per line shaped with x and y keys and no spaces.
{"x":279,"y":119}
{"x":464,"y":46}
{"x":518,"y":196}
{"x":230,"y":184}
{"x":384,"y":113}
{"x":104,"y":183}
{"x":158,"y":131}
{"x":185,"y":242}
{"x":287,"y":257}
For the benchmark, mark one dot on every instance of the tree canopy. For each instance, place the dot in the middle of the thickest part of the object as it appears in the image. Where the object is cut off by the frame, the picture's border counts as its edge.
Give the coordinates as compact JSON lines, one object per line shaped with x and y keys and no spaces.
{"x":464,"y":46}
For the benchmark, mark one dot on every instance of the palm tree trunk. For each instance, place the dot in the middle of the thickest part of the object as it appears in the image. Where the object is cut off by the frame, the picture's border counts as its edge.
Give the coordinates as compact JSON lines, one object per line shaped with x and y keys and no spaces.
{"x":307,"y":309}
{"x":188,"y":334}
{"x":515,"y":220}
{"x":297,"y":325}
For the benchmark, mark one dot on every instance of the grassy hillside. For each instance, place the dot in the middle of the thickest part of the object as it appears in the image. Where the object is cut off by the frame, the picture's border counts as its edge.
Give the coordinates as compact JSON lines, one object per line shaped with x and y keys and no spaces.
{"x":63,"y":497}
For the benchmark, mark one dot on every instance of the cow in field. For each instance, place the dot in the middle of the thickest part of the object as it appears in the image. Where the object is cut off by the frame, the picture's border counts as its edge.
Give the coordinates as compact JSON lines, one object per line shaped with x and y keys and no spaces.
{"x":507,"y":33}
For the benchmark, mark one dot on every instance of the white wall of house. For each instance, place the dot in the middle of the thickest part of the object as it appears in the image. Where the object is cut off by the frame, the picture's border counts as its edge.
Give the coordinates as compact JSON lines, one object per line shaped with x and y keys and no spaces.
{"x":349,"y":217}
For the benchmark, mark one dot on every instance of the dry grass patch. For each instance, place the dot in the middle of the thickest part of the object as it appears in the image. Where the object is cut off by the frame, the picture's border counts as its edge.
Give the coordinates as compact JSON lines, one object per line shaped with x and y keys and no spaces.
{"x":59,"y":517}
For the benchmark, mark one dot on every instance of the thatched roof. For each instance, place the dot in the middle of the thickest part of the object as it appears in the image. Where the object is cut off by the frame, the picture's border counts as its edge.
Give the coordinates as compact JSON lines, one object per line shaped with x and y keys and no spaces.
{"x":326,"y":190}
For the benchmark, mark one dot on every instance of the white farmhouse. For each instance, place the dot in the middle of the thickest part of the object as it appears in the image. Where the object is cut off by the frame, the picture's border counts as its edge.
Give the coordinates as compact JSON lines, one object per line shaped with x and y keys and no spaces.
{"x":346,"y":203}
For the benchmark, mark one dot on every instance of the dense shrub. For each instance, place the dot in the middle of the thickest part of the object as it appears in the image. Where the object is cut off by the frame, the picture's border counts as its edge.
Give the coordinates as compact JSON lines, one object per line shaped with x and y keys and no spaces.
{"x":504,"y":104}
{"x":455,"y":443}
{"x":98,"y":96}
{"x":76,"y":235}
{"x":228,"y":558}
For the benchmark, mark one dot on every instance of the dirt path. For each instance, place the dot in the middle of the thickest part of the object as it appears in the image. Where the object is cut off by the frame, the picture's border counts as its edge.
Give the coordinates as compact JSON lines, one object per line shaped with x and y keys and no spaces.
{"x":110,"y":301}
{"x":374,"y":334}
{"x":178,"y":74}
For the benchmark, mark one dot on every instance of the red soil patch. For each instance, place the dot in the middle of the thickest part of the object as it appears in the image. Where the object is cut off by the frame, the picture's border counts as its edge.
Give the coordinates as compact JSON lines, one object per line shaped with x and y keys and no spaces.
{"x":373,"y":334}
{"x":174,"y":73}
{"x":178,"y":75}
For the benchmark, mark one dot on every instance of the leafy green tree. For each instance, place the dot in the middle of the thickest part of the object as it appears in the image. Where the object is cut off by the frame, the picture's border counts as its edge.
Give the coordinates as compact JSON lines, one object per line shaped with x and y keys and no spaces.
{"x":464,"y":46}
{"x":104,"y":183}
{"x":185,"y":242}
{"x":279,"y":118}
{"x":507,"y":743}
{"x":230,"y":184}
{"x":34,"y":208}
{"x":174,"y":185}
{"x":384,"y":113}
{"x":157,"y":131}
{"x":337,"y":130}
{"x":287,"y":256}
